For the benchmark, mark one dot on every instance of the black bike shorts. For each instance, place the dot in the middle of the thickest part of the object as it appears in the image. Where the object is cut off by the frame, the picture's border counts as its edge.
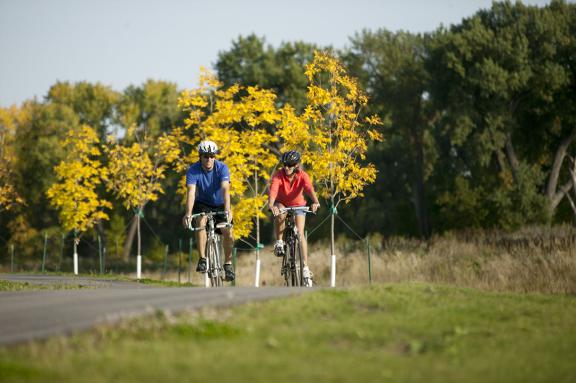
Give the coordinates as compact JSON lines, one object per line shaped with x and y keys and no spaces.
{"x":200,"y":207}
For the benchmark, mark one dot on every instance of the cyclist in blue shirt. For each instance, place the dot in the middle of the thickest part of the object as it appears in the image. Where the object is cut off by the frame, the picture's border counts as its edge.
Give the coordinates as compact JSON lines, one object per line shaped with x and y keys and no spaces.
{"x":208,"y":183}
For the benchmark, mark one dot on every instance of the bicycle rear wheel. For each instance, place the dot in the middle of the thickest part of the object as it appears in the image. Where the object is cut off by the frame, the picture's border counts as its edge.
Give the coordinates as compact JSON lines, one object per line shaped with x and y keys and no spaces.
{"x":214,"y":268}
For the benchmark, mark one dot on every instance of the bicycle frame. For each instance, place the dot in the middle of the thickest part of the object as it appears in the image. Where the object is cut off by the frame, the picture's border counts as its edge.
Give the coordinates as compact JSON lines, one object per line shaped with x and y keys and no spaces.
{"x":214,"y":270}
{"x":292,"y":263}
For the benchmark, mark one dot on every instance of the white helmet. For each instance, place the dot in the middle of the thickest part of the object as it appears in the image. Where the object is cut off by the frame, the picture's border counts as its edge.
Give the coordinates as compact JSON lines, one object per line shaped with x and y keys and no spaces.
{"x":208,"y":147}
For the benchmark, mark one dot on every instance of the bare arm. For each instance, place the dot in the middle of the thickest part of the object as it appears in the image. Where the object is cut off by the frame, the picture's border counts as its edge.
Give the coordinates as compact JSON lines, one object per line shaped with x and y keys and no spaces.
{"x":225,"y":186}
{"x":190,"y":197}
{"x":272,"y":193}
{"x":315,"y":203}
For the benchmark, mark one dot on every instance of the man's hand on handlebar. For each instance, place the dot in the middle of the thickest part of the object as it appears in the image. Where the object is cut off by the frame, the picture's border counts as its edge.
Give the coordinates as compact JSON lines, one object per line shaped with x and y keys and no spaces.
{"x":187,"y":221}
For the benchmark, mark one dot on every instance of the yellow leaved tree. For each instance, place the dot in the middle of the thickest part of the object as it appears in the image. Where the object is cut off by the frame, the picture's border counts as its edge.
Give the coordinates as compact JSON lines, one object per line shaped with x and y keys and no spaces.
{"x":238,"y":119}
{"x":136,"y":171}
{"x":332,"y":135}
{"x":9,"y":197}
{"x":78,"y":175}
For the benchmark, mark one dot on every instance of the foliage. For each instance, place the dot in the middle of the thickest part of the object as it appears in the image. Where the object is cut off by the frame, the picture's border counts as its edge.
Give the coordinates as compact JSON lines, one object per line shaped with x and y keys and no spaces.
{"x":251,"y":62}
{"x":504,"y":80}
{"x":9,"y":196}
{"x":336,"y":141}
{"x":134,"y":174}
{"x":92,"y":103}
{"x":79,"y":175}
{"x":396,"y":332}
{"x":391,"y":67}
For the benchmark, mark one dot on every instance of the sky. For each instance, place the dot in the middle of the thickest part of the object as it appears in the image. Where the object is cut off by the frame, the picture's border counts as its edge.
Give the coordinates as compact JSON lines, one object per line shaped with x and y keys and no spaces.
{"x":126,"y":42}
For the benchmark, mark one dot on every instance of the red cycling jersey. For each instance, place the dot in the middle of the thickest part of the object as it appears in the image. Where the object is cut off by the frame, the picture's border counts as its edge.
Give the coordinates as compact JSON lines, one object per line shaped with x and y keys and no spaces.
{"x":290,"y":193}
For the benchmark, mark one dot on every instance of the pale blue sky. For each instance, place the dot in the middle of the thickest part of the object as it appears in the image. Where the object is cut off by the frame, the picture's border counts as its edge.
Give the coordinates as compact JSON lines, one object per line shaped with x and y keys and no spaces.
{"x":125,"y":42}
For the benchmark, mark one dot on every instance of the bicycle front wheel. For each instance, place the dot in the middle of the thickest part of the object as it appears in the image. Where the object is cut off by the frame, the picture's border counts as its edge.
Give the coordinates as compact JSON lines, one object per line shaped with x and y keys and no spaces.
{"x":214,"y":267}
{"x":295,"y":263}
{"x":298,"y":264}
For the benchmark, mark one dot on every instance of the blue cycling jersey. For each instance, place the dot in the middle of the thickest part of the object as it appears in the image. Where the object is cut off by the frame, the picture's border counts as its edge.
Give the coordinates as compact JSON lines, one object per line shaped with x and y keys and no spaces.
{"x":208,"y":184}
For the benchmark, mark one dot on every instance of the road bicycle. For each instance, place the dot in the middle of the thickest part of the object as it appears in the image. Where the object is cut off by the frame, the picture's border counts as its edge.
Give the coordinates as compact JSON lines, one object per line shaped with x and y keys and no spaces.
{"x":214,"y":269}
{"x":292,"y":263}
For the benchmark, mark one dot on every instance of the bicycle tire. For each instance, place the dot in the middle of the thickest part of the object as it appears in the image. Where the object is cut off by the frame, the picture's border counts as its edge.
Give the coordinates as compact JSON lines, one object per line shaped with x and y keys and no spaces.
{"x":293,"y":266}
{"x":299,"y":264}
{"x":285,"y":271}
{"x":286,"y":261}
{"x":213,"y":263}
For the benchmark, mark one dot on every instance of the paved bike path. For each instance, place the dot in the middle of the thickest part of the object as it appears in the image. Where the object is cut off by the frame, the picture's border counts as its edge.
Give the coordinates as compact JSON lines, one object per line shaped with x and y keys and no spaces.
{"x":30,"y":315}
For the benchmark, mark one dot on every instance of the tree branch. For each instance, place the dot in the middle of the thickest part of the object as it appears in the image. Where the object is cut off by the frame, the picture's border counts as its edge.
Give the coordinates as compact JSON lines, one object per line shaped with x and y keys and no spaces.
{"x":557,"y":165}
{"x":564,"y":189}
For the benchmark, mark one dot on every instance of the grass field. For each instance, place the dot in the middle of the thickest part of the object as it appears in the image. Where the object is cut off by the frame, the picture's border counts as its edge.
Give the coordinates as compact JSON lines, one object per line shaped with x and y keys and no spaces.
{"x":408,"y":332}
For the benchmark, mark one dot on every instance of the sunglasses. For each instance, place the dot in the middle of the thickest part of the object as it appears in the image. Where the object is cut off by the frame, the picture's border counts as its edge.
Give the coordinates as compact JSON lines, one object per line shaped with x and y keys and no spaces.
{"x":289,"y":165}
{"x":206,"y":156}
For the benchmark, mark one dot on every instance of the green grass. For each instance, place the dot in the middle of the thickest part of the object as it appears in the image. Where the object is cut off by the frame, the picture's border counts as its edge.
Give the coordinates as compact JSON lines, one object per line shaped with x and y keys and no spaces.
{"x":20,"y":286}
{"x":383,"y":333}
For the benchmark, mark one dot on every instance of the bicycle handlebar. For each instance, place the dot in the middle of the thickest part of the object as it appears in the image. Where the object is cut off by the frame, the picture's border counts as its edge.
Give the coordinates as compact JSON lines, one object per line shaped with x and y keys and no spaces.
{"x":305,"y":209}
{"x":209,"y":214}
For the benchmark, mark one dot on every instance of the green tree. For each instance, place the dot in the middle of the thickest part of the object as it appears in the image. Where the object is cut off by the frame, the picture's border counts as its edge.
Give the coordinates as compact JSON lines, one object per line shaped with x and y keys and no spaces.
{"x":93,"y":103}
{"x":143,"y":114}
{"x":504,"y":80}
{"x":251,"y":62}
{"x":38,"y":149}
{"x":391,"y":67}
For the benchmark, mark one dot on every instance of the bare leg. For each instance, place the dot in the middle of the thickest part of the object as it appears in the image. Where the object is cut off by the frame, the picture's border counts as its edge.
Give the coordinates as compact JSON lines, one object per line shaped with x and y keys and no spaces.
{"x":300,"y":224}
{"x":279,"y":223}
{"x":201,"y":236}
{"x":228,"y":241}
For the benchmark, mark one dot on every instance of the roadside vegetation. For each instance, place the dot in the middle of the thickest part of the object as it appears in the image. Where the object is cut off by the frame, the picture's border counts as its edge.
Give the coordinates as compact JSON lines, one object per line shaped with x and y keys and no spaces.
{"x":20,"y":286}
{"x":408,"y":332}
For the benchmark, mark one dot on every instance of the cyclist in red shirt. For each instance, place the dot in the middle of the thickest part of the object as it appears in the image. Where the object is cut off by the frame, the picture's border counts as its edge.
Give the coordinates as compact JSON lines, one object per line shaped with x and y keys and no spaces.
{"x":287,"y":189}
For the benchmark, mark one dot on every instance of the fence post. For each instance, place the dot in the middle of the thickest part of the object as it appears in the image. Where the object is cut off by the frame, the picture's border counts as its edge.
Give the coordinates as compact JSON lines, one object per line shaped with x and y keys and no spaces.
{"x":190,"y":243}
{"x":104,"y":252}
{"x":61,"y":252}
{"x":44,"y":252}
{"x":12,"y":258}
{"x":100,"y":255}
{"x":165,"y":262}
{"x":75,"y":252}
{"x":369,"y":262}
{"x":234,"y":250}
{"x":179,"y":258}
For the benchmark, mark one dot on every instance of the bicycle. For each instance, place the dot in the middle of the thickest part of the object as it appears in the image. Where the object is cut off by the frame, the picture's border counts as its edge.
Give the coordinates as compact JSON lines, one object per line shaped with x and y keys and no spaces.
{"x":212,"y":252}
{"x":292,"y":264}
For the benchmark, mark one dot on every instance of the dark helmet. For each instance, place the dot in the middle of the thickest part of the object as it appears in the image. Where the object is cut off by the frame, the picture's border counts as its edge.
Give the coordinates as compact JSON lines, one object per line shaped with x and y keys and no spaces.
{"x":291,"y":157}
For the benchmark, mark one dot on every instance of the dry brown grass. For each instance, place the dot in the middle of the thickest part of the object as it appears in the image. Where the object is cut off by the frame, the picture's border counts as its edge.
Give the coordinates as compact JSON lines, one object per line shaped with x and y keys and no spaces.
{"x":532,"y":260}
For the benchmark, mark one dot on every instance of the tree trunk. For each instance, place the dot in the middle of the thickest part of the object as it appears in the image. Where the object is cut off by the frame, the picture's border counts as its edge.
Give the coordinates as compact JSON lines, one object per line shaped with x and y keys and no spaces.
{"x":553,"y":193}
{"x":138,"y":230}
{"x":129,"y":239}
{"x":512,"y":158}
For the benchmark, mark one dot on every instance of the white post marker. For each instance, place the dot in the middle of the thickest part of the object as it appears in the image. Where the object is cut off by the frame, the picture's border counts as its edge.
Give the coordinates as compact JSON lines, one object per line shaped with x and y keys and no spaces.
{"x":333,"y":271}
{"x":257,"y":279}
{"x":138,"y":267}
{"x":206,"y":280}
{"x":75,"y":263}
